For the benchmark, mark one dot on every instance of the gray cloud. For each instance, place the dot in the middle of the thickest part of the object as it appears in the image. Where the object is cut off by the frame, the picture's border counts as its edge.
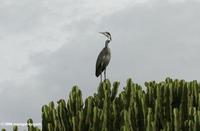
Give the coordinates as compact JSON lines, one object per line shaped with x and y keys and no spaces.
{"x":157,"y":41}
{"x":151,"y":41}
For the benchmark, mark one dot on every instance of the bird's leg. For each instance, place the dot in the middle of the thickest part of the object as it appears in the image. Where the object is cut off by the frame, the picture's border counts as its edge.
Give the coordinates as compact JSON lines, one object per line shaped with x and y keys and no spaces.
{"x":101,"y":78}
{"x":105,"y":74}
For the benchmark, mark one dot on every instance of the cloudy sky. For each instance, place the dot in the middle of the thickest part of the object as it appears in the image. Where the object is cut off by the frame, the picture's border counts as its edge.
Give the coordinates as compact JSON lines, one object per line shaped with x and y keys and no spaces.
{"x":47,"y":46}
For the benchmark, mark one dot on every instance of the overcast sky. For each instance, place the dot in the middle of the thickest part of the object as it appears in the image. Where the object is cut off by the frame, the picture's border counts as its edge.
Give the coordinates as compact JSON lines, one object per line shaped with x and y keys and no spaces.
{"x":47,"y":46}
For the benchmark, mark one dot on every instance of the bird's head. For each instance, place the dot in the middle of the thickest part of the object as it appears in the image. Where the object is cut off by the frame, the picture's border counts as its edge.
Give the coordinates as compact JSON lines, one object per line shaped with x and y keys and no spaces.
{"x":107,"y":34}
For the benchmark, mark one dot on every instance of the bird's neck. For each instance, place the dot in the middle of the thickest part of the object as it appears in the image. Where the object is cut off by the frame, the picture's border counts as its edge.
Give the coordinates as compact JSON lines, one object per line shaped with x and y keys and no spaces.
{"x":106,"y":43}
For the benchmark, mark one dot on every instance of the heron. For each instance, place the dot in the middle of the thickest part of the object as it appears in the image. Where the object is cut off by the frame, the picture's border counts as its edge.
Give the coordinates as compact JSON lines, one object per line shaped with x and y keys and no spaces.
{"x":104,"y":57}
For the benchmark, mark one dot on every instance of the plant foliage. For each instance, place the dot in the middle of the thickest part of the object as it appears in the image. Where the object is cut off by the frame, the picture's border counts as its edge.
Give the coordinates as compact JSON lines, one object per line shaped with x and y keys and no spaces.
{"x":171,"y":105}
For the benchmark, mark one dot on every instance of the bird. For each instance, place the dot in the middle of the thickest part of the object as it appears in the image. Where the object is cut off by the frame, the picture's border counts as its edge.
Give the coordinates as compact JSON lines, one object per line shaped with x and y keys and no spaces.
{"x":104,"y":57}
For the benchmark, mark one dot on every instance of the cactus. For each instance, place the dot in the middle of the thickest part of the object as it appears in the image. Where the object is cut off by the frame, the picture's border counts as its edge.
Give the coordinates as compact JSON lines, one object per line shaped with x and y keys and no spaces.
{"x":170,"y":105}
{"x":15,"y":128}
{"x":31,"y":127}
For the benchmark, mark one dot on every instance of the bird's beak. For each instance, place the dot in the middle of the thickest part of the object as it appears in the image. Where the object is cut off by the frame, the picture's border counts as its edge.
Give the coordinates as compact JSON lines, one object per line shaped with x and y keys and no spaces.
{"x":101,"y":33}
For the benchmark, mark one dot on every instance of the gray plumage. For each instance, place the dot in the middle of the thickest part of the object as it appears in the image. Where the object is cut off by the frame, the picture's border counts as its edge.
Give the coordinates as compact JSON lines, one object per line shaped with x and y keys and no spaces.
{"x":104,"y":57}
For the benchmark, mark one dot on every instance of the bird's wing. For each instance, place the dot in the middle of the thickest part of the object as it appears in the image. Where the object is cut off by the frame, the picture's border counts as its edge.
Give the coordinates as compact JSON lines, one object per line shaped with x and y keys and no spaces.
{"x":102,"y":61}
{"x":99,"y":62}
{"x":100,"y":58}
